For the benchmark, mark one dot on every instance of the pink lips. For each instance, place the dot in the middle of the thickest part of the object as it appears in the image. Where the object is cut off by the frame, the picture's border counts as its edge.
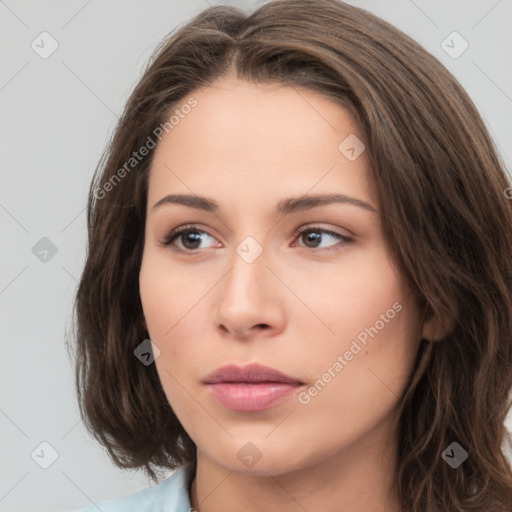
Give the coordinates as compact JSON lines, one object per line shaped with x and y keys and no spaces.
{"x":250,"y":388}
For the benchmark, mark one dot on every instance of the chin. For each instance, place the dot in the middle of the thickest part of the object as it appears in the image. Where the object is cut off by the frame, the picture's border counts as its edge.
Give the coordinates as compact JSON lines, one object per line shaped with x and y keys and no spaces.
{"x":260,"y":457}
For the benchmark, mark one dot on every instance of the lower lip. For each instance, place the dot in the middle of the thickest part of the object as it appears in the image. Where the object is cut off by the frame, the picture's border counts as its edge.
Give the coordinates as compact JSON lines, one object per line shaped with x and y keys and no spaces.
{"x":251,"y":397}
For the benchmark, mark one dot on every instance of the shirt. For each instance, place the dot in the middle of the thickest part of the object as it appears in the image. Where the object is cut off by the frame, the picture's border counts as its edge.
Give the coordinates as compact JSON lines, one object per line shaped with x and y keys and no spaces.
{"x":170,"y":495}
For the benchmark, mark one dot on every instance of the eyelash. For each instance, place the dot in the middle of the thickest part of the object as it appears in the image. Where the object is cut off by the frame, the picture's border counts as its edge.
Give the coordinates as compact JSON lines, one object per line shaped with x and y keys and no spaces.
{"x":190,"y":228}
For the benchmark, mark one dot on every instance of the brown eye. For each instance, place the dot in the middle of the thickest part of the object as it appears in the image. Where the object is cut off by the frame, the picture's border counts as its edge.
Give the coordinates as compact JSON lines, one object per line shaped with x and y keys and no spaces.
{"x":190,"y":238}
{"x":314,"y":236}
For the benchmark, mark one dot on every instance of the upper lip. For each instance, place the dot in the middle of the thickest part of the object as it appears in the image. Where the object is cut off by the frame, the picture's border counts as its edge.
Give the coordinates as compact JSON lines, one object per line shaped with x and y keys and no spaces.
{"x":250,"y":373}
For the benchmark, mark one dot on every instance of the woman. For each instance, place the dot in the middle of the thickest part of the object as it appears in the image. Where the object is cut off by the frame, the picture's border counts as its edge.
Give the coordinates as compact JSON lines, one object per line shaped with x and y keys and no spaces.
{"x":298,"y":288}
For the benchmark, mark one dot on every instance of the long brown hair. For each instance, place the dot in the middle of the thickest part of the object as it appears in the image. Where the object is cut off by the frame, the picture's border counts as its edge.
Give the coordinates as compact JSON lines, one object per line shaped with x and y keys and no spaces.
{"x":446,"y":219}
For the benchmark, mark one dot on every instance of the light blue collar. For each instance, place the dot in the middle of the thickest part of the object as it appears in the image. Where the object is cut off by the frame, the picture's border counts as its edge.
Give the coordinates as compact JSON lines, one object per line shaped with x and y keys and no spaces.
{"x":170,"y":495}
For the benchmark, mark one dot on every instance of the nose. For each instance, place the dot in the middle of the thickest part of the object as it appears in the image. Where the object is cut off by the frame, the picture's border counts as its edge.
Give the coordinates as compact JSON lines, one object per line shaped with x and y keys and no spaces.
{"x":251,"y":300}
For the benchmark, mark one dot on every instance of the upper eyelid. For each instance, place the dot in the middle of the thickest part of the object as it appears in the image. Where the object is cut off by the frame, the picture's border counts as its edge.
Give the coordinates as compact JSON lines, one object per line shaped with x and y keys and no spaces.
{"x":311,"y":225}
{"x":176,"y":232}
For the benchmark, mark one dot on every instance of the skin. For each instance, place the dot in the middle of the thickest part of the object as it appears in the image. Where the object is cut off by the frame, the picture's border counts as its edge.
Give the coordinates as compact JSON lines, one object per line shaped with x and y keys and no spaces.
{"x":295,"y":308}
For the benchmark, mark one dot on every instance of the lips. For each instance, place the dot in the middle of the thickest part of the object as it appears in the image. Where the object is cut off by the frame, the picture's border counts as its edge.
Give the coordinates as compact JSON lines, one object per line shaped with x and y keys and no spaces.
{"x":253,"y":373}
{"x":251,"y":388}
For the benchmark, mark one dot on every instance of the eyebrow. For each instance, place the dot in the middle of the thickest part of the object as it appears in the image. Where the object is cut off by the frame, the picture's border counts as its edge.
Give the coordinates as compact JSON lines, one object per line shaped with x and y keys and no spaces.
{"x":285,"y":206}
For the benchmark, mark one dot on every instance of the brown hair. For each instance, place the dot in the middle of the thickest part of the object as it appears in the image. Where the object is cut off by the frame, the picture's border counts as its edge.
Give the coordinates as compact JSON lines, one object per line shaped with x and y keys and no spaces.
{"x":446,"y":220}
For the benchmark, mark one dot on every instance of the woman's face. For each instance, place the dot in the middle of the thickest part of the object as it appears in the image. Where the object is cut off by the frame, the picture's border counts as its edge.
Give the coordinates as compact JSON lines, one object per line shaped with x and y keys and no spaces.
{"x":326,"y":308}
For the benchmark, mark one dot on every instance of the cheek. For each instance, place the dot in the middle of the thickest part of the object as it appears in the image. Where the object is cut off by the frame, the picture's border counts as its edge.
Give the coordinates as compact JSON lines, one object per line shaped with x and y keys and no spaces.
{"x":174,"y":317}
{"x":353,"y":298}
{"x":151,"y":289}
{"x":349,"y":397}
{"x":161,"y":293}
{"x":374,"y":330}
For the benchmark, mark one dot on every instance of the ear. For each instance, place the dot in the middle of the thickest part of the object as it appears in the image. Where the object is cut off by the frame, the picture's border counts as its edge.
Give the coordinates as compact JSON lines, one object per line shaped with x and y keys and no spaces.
{"x":435,"y":328}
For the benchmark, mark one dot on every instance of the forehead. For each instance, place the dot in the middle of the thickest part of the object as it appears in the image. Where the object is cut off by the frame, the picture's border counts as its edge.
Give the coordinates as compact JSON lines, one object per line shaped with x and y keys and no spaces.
{"x":250,"y":143}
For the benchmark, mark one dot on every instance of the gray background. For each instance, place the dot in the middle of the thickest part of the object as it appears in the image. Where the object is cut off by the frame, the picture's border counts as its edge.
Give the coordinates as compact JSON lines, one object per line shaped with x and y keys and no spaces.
{"x":57,"y":114}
